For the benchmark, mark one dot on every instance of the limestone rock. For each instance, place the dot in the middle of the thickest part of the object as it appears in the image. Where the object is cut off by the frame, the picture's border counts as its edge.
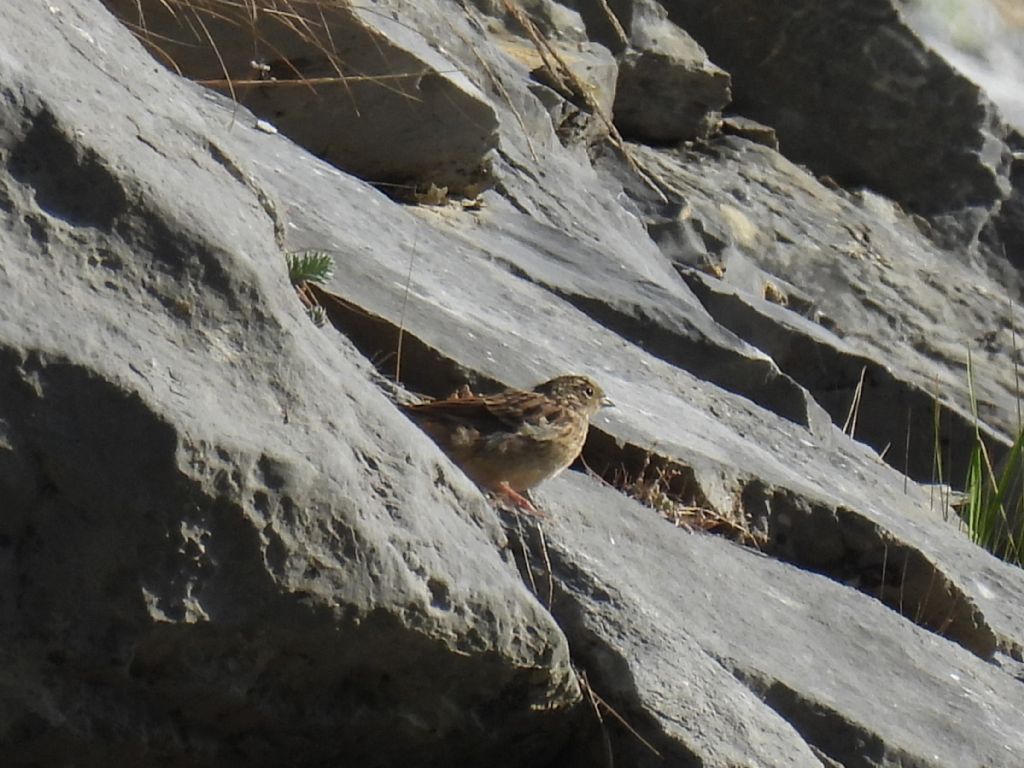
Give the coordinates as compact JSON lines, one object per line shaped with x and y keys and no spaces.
{"x":856,"y":95}
{"x":351,"y":84}
{"x":668,"y":90}
{"x":223,"y":545}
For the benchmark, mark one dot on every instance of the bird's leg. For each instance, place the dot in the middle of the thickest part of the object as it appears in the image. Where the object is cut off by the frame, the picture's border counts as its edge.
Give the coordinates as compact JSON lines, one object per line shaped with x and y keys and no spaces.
{"x":518,"y":500}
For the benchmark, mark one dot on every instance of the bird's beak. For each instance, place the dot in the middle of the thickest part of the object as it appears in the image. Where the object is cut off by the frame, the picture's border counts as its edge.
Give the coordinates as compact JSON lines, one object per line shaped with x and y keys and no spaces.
{"x":606,"y":402}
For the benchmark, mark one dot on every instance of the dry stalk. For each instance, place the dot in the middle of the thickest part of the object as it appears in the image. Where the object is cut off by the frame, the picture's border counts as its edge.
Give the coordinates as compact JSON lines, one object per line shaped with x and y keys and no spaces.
{"x":600,"y":704}
{"x":314,"y":81}
{"x":526,"y":555}
{"x":305,"y":19}
{"x":614,"y":21}
{"x":850,"y":426}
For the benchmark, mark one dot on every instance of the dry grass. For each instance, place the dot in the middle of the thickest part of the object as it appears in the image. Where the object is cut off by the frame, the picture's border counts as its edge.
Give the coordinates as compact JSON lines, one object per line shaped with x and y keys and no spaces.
{"x":662,"y":487}
{"x":279,"y":35}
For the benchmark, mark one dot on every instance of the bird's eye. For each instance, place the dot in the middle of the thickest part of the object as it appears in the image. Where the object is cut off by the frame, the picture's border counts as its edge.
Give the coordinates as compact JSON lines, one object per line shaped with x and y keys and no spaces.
{"x":588,"y":391}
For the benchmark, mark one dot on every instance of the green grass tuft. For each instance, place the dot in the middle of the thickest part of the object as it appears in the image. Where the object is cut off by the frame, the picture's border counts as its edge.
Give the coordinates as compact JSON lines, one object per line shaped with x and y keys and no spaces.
{"x":993,"y":507}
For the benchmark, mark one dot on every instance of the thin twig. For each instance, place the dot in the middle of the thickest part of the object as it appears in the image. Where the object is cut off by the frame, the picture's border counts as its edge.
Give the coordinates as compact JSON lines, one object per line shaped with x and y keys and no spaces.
{"x":906,"y":453}
{"x":547,"y":564}
{"x":592,"y":698}
{"x":526,"y":555}
{"x":885,"y":561}
{"x":903,"y":578}
{"x":401,"y":318}
{"x":508,"y":100}
{"x":216,"y":52}
{"x":314,"y":81}
{"x":614,"y":21}
{"x":622,"y":721}
{"x":921,"y":606}
{"x":850,"y":427}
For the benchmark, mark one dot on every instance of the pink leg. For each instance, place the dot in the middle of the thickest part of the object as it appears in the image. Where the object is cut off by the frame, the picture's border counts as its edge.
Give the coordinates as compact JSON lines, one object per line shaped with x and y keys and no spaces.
{"x":518,"y":500}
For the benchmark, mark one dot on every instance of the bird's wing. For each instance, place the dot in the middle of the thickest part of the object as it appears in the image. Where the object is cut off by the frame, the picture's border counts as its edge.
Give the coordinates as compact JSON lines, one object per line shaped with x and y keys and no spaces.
{"x":471,"y":412}
{"x":508,"y":411}
{"x":519,"y":410}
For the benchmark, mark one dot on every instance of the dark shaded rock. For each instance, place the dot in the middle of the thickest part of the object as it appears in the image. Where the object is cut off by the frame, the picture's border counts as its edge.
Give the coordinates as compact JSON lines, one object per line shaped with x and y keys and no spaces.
{"x":744,"y":127}
{"x":667,"y":90}
{"x":1005,"y":233}
{"x":899,"y":417}
{"x":856,"y":95}
{"x":668,"y":96}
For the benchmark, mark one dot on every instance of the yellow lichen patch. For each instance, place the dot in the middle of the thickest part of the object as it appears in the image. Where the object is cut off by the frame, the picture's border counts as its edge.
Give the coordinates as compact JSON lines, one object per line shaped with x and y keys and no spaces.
{"x":743,"y":230}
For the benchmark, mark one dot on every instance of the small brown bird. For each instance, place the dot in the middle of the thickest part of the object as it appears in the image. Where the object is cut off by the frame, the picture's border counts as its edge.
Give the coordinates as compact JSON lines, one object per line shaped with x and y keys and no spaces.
{"x":512,"y":441}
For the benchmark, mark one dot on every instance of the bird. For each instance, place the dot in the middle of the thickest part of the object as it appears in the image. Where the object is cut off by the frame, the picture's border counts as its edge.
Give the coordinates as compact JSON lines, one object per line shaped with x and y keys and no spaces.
{"x":510,"y":442}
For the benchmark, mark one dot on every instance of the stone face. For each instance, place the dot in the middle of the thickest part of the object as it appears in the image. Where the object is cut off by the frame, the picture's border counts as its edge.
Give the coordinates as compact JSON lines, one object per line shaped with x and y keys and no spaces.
{"x":368,"y":94}
{"x":865,"y":293}
{"x":223,"y":545}
{"x":663,"y":97}
{"x":701,"y":608}
{"x":1005,"y":232}
{"x":577,"y":87}
{"x":982,"y":40}
{"x":667,"y":89}
{"x":856,"y":95}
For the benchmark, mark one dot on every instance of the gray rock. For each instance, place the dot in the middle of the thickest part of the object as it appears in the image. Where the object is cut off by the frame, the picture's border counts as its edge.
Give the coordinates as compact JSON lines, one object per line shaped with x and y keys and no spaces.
{"x":577,"y":87}
{"x":553,"y":19}
{"x":720,"y":442}
{"x":864,"y":293}
{"x":221,"y":544}
{"x":664,"y":97}
{"x":668,"y":90}
{"x":855,"y":94}
{"x":353,"y":85}
{"x":1005,"y":233}
{"x":694,"y":625}
{"x":735,"y":125}
{"x":225,"y":545}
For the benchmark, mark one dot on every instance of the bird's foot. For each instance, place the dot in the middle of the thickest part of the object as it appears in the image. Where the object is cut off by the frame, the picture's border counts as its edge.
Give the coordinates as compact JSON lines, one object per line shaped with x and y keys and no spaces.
{"x":517,"y":500}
